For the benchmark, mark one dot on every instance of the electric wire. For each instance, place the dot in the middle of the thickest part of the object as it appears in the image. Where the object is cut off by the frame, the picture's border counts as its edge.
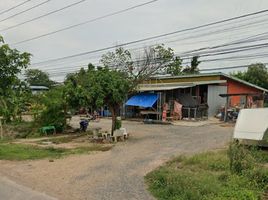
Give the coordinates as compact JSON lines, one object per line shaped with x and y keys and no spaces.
{"x":150,"y":38}
{"x":21,"y":12}
{"x":42,"y":16}
{"x":16,"y":6}
{"x":85,"y":22}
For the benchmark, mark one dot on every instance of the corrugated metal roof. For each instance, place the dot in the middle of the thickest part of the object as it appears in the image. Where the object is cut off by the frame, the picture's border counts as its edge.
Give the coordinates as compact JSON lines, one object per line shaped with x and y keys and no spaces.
{"x":172,"y":86}
{"x":38,"y":87}
{"x":210,"y":74}
{"x":156,"y":87}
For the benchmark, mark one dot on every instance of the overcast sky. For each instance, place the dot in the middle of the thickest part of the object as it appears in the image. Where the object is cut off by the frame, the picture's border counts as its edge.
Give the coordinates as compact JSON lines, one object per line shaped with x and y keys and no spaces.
{"x":156,"y":18}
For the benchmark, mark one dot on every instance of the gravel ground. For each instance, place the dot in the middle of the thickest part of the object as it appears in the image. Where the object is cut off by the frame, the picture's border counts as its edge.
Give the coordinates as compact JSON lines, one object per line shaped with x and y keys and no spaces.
{"x":118,"y":173}
{"x":10,"y":190}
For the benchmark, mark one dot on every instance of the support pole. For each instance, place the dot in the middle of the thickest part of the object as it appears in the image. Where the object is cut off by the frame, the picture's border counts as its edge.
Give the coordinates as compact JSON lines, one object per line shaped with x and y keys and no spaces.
{"x":226,"y":109}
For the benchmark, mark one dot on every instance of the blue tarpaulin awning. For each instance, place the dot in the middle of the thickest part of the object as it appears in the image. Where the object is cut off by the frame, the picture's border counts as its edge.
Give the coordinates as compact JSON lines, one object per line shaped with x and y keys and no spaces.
{"x":145,"y":100}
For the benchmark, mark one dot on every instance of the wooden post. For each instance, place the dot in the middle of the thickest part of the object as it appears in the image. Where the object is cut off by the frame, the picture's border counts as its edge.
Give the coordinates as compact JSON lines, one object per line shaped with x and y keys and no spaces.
{"x":1,"y":129}
{"x":226,"y":109}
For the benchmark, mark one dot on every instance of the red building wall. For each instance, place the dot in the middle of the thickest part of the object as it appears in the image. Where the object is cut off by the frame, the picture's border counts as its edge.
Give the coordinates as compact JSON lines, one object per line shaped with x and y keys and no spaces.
{"x":236,"y":87}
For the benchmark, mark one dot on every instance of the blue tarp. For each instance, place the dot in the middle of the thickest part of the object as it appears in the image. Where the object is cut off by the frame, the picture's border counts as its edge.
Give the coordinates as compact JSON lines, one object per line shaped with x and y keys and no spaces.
{"x":145,"y":100}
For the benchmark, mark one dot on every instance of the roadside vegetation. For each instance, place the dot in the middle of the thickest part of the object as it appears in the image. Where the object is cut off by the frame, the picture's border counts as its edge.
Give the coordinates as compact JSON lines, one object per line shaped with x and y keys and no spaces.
{"x":237,"y":173}
{"x":10,"y":151}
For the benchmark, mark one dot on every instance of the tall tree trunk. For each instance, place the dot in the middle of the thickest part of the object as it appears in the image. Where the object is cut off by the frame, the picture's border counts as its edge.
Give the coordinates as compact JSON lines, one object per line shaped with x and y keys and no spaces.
{"x":114,"y":115}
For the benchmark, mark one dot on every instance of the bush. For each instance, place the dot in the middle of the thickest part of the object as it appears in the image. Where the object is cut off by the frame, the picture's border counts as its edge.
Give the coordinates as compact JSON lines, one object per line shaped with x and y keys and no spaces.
{"x":240,"y":158}
{"x":20,"y":129}
{"x":207,"y":176}
{"x":50,"y":109}
{"x":53,"y":116}
{"x":118,"y":123}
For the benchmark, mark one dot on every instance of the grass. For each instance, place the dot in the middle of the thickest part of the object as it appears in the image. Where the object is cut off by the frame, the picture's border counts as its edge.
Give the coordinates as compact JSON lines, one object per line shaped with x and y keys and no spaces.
{"x":9,"y":151}
{"x":207,"y":176}
{"x":21,"y":129}
{"x":58,"y":140}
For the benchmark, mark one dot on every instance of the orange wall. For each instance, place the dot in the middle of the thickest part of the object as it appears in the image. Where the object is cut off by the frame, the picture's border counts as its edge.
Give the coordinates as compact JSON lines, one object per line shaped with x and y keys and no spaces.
{"x":236,"y":87}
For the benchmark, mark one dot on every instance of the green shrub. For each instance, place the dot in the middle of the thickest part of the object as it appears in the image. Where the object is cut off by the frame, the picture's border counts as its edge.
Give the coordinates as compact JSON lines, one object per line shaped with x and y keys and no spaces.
{"x":118,"y":123}
{"x":50,"y":109}
{"x":207,"y":176}
{"x":240,"y":158}
{"x":53,"y":116}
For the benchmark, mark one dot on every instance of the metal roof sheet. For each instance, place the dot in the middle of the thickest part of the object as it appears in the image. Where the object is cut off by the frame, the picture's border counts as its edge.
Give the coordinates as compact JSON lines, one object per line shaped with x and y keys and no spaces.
{"x":172,"y":86}
{"x":210,"y":74}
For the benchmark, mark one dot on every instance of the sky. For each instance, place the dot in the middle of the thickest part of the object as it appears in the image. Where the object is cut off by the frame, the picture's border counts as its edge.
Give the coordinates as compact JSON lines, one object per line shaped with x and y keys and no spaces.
{"x":156,"y":18}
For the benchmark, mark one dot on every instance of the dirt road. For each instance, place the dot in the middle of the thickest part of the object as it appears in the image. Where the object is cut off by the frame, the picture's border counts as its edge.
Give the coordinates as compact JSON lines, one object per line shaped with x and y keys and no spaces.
{"x":118,"y":173}
{"x":11,"y":190}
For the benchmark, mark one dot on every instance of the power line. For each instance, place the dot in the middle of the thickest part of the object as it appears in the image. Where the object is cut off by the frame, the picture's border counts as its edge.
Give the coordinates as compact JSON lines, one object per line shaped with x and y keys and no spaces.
{"x":208,"y":54}
{"x":226,"y":68}
{"x":214,"y":52}
{"x":41,"y":16}
{"x":146,"y":39}
{"x":233,"y":58}
{"x":16,"y":6}
{"x":205,"y":69}
{"x":85,"y":22}
{"x":31,"y":8}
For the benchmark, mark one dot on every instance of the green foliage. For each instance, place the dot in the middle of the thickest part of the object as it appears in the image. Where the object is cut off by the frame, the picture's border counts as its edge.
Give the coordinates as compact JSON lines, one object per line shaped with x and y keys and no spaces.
{"x":25,"y":152}
{"x":155,"y":60}
{"x":53,"y":109}
{"x":53,"y":116}
{"x":120,"y":59}
{"x":207,"y":176}
{"x":97,"y":87}
{"x":13,"y":104}
{"x":175,"y":67}
{"x":38,"y":78}
{"x":20,"y":129}
{"x":118,"y":123}
{"x":240,"y":158}
{"x":256,"y":74}
{"x":12,"y":62}
{"x":193,"y":69}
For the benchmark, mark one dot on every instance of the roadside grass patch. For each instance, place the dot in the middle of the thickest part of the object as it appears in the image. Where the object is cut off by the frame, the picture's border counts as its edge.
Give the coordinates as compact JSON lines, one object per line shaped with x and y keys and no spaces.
{"x":207,"y":176}
{"x":21,"y":130}
{"x":57,"y":140}
{"x":10,"y":151}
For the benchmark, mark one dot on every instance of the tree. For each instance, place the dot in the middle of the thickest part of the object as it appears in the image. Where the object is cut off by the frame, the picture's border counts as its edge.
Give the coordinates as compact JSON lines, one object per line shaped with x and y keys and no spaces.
{"x":154,"y":60}
{"x":38,"y":78}
{"x":193,"y":69}
{"x":12,"y":62}
{"x":256,"y":74}
{"x":99,"y":87}
{"x":175,"y":67}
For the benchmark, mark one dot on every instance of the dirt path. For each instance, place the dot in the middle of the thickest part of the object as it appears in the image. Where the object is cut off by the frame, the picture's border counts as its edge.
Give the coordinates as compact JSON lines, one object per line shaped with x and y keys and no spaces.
{"x":118,"y":173}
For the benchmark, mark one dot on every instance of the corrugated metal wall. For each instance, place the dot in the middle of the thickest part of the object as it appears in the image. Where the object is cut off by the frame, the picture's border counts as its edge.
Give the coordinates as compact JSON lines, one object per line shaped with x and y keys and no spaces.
{"x":214,"y":100}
